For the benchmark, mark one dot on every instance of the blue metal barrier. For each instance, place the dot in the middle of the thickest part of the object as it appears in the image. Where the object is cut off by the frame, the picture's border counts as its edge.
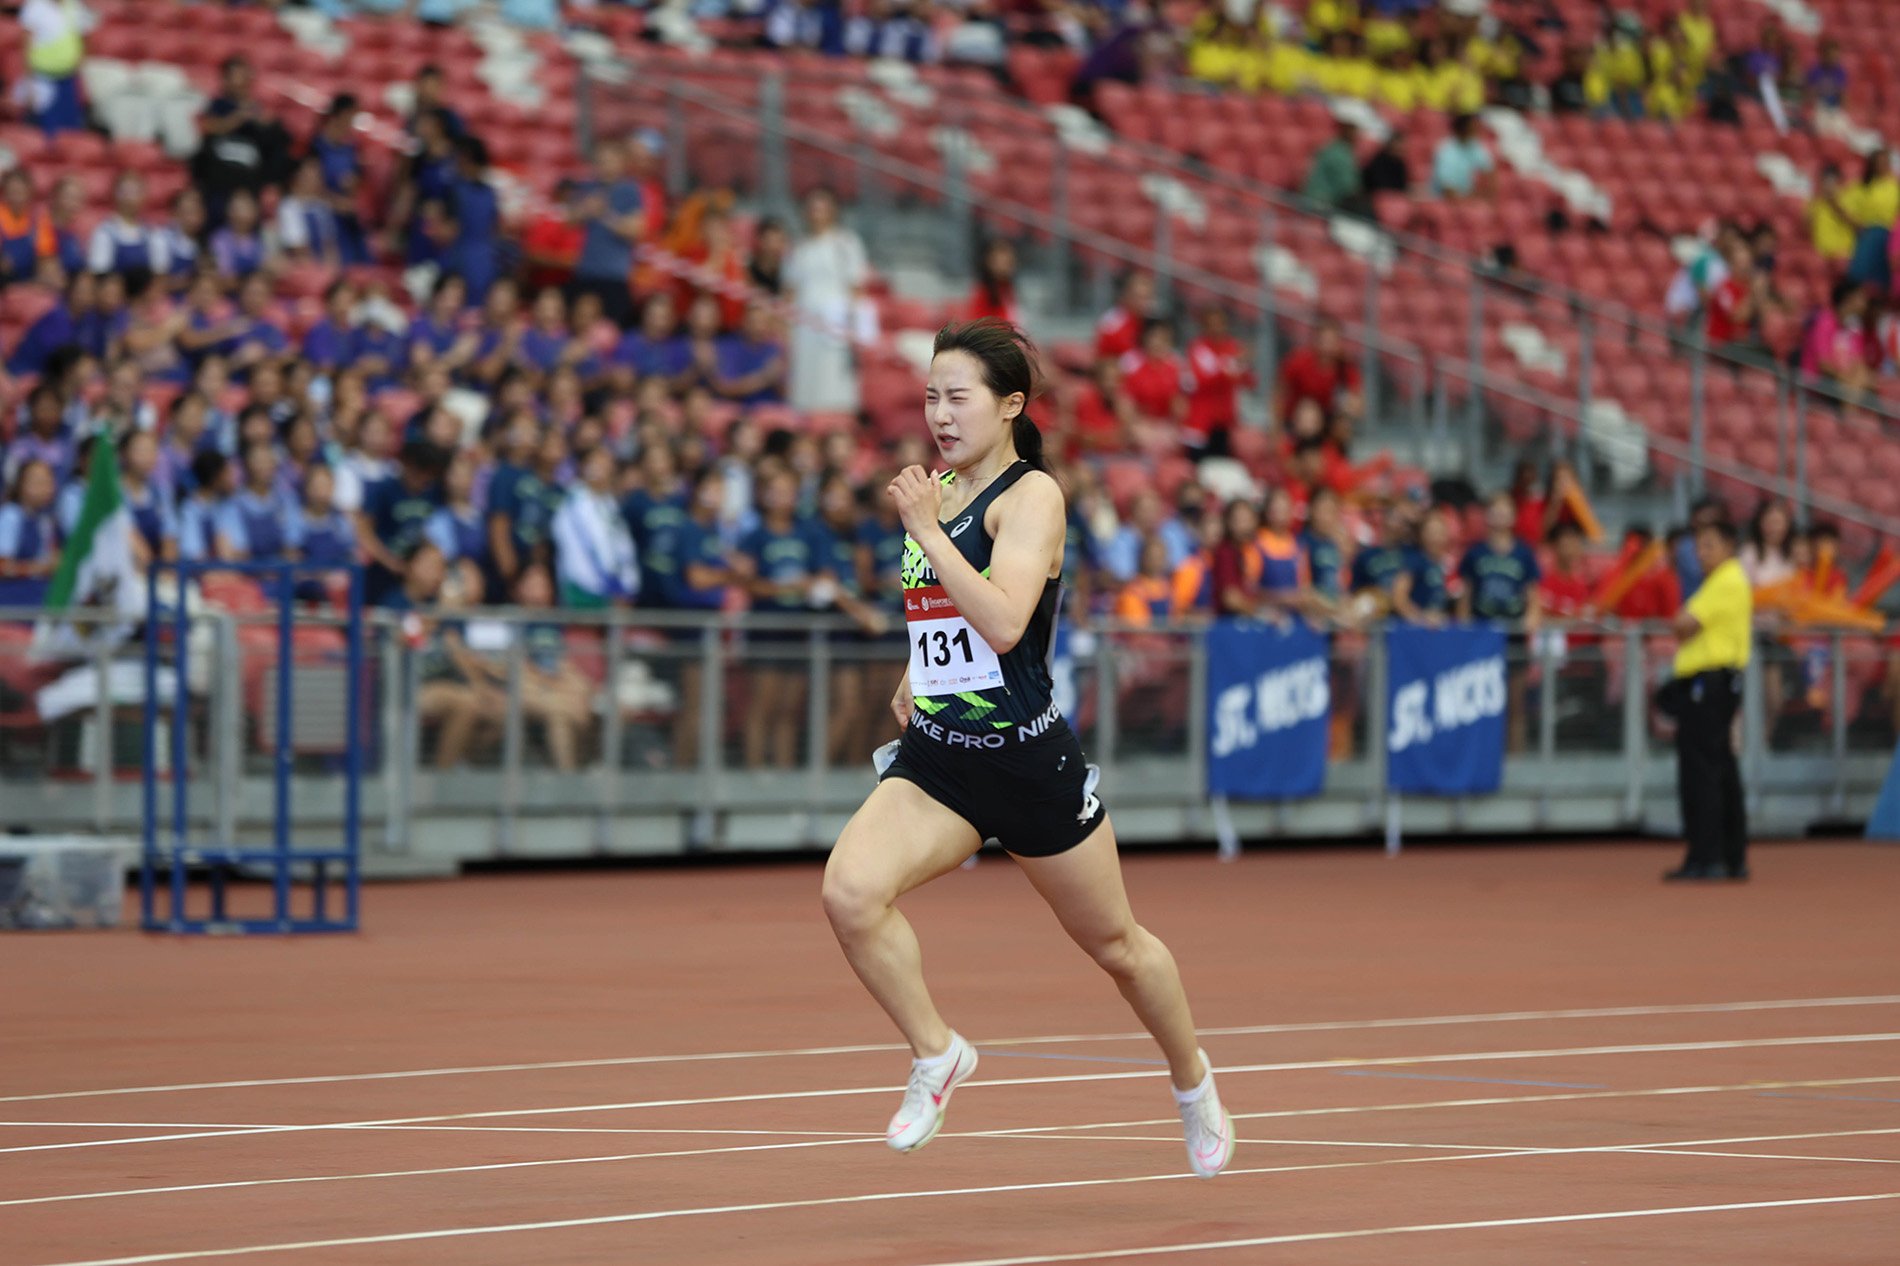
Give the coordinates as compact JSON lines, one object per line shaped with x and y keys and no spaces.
{"x":287,"y":866}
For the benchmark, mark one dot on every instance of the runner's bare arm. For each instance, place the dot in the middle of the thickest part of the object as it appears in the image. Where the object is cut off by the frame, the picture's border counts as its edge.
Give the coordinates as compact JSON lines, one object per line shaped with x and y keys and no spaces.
{"x":1028,"y":531}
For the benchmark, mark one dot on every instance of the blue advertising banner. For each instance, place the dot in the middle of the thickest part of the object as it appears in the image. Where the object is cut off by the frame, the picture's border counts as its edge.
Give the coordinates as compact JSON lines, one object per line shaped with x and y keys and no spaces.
{"x":1268,"y":705}
{"x":1445,"y":710}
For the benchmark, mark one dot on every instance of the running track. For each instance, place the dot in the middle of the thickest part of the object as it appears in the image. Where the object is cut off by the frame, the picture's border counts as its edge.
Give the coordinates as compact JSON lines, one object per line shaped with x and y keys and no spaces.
{"x":1475,"y":1056}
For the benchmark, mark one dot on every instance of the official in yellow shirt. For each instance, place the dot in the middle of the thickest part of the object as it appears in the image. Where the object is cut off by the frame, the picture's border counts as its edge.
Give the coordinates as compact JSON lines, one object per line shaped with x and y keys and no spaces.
{"x":1716,"y":629}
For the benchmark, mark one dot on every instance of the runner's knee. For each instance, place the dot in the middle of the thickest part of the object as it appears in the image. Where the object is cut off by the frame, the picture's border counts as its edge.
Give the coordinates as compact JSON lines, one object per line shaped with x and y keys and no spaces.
{"x":851,"y":903}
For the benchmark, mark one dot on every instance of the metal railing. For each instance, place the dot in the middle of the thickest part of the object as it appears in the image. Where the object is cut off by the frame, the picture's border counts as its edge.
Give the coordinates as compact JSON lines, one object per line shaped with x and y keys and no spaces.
{"x":755,"y":146}
{"x":678,"y":745}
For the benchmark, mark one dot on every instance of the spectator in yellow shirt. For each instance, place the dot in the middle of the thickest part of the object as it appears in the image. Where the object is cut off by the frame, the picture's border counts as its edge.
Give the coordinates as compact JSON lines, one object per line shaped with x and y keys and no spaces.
{"x":1669,"y":97}
{"x":1697,"y":31}
{"x":1218,"y":49}
{"x":1716,"y":630}
{"x":1831,"y":228}
{"x":1873,"y":206}
{"x":1279,"y":68}
{"x":1326,"y":18}
{"x":1399,"y":83}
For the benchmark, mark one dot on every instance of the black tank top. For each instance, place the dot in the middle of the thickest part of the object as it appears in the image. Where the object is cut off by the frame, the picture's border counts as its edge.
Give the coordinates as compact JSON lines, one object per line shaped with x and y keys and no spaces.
{"x":957,"y":678}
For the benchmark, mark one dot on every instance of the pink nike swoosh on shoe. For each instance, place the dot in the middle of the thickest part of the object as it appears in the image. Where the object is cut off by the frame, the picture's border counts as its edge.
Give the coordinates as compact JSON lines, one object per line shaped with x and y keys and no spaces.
{"x":938,"y":1098}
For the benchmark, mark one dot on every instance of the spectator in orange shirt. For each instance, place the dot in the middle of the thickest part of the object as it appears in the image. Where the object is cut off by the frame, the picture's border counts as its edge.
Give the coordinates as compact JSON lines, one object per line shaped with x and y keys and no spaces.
{"x":1149,"y":596}
{"x":1285,"y":581}
{"x":995,"y":292}
{"x":1119,"y":330}
{"x":1218,"y":369}
{"x":1193,"y":580}
{"x":1154,"y":378}
{"x":1321,"y":372}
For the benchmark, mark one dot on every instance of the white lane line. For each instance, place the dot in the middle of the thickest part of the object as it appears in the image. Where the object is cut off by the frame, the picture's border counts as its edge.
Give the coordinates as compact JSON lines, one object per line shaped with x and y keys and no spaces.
{"x":1462,"y":1057}
{"x":1472,"y":1151}
{"x":404,"y":1237}
{"x":1318,"y":1026}
{"x":1315,"y":1237}
{"x":1774,"y":1156}
{"x":1489,"y":1102}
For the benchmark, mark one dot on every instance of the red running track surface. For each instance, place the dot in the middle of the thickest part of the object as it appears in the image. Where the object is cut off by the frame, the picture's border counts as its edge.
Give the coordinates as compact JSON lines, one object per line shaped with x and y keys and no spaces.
{"x":1472,"y":1056}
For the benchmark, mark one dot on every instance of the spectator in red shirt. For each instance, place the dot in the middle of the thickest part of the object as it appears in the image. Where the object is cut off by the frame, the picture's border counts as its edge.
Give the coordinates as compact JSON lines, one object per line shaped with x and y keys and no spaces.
{"x":551,"y":241}
{"x":995,"y":292}
{"x":1735,"y":306}
{"x":1119,"y":330}
{"x":1564,"y":591}
{"x":1237,"y":561}
{"x":1154,"y":377}
{"x":719,"y":270}
{"x":1322,"y":372}
{"x":1219,"y":369}
{"x":1102,"y":418}
{"x":1657,"y":595}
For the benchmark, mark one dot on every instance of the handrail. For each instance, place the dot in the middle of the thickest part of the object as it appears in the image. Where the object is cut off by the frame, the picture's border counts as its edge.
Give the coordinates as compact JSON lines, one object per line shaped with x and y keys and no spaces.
{"x":909,"y":173}
{"x":1612,"y":313}
{"x":1768,"y":484}
{"x":1258,"y":299}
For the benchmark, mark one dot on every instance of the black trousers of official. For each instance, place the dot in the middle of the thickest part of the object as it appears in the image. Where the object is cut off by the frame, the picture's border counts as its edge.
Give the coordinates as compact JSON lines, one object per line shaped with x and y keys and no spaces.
{"x":1708,"y":779}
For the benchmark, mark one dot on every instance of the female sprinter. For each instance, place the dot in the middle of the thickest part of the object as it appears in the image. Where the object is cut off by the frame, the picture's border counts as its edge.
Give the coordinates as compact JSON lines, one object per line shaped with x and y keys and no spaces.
{"x":985,"y":754}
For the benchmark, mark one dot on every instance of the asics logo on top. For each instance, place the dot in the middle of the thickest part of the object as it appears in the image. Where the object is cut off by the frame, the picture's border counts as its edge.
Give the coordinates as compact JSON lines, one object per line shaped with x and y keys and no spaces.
{"x":961,"y":524}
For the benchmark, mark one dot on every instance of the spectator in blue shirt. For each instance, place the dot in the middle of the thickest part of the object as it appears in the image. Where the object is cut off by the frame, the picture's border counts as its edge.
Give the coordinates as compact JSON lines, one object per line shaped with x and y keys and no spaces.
{"x":46,"y":438}
{"x":254,"y":521}
{"x":324,"y":535}
{"x":1461,"y":165}
{"x":185,"y":438}
{"x":238,"y":249}
{"x":392,"y":524}
{"x":547,"y":343}
{"x":1375,"y":571}
{"x":123,"y":242}
{"x":211,"y":327}
{"x":657,"y":349}
{"x":213,"y":480}
{"x":1500,"y":573}
{"x":1147,"y":516}
{"x":262,"y":336}
{"x":477,"y":211}
{"x":149,"y":502}
{"x":612,"y":209}
{"x":430,"y":100}
{"x":654,"y":511}
{"x":29,"y":544}
{"x":1325,"y":543}
{"x":1420,"y":593}
{"x":326,"y":344}
{"x":779,"y":563}
{"x":750,"y":365}
{"x":457,"y":528}
{"x":185,"y":237}
{"x":58,"y":328}
{"x":441,"y":334}
{"x":698,"y":584}
{"x":307,"y":223}
{"x":335,"y":150}
{"x":527,"y":503}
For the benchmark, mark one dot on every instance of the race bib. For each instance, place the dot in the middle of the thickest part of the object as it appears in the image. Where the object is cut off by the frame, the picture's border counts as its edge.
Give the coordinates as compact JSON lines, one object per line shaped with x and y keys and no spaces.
{"x":947,"y":656}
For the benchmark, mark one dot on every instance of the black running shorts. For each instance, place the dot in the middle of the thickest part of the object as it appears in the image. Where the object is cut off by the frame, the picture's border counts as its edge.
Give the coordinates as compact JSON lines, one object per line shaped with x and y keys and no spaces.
{"x":1035,"y":796}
